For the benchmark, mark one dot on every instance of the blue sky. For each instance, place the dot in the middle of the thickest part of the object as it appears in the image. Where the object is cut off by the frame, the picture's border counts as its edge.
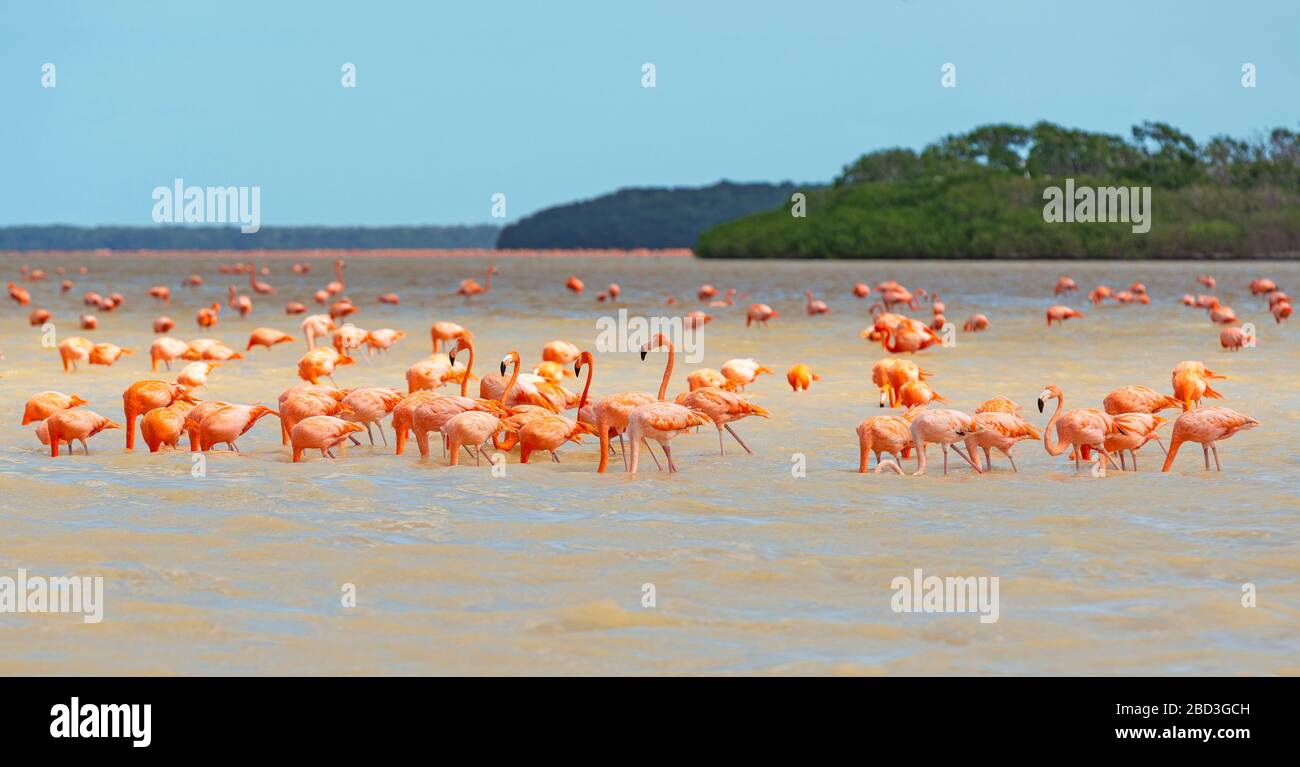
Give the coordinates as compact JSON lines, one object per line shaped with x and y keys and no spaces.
{"x":543,"y":101}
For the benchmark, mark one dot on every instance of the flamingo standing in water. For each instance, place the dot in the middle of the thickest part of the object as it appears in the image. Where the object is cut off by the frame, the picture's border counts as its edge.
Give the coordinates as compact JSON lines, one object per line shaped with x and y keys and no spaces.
{"x":883,"y":434}
{"x":1060,"y":314}
{"x":143,"y":396}
{"x":659,"y":420}
{"x":991,"y":429}
{"x":470,"y":287}
{"x":723,"y":407}
{"x":815,"y":307}
{"x":69,"y":425}
{"x":323,"y":432}
{"x":1191,"y":382}
{"x":241,"y":304}
{"x":546,"y":431}
{"x":1064,"y":285}
{"x":1081,"y":427}
{"x":947,"y":428}
{"x":799,"y":376}
{"x":264,"y":288}
{"x":759,"y":313}
{"x":338,"y":285}
{"x":1207,"y":426}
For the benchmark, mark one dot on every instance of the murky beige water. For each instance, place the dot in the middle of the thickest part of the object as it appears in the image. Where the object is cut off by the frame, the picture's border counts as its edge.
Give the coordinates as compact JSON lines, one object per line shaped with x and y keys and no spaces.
{"x":755,"y":570}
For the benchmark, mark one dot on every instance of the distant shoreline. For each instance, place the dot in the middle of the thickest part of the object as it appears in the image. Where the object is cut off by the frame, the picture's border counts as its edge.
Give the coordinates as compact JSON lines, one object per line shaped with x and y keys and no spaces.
{"x":310,"y":253}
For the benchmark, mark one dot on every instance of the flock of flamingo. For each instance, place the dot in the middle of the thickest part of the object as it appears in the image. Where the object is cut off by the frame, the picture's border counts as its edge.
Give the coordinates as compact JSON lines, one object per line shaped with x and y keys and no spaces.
{"x":528,"y":410}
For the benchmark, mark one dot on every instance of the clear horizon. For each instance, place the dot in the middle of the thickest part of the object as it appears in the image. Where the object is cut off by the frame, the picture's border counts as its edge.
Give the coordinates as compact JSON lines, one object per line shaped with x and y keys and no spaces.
{"x":545,"y":105}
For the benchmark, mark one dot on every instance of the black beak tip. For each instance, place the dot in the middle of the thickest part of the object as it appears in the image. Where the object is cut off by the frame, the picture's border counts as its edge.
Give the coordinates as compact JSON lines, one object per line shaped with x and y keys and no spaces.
{"x":643,"y":355}
{"x":1040,"y":404}
{"x":503,"y":368}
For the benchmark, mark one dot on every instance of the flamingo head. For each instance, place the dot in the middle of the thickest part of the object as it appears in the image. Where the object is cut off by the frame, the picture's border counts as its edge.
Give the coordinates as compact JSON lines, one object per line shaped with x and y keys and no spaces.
{"x":658,"y":341}
{"x":512,"y":357}
{"x":884,"y":396}
{"x":584,"y":358}
{"x":1050,"y":392}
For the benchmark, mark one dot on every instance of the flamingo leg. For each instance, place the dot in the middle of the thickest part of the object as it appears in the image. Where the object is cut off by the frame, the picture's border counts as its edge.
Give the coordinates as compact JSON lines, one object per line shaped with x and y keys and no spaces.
{"x":944,"y":447}
{"x":988,"y":458}
{"x":622,"y":450}
{"x":962,"y":453}
{"x":329,"y":453}
{"x":1215,"y":448}
{"x":555,"y":457}
{"x":1123,"y":465}
{"x":727,"y":426}
{"x":1206,"y":449}
{"x":370,"y":434}
{"x":668,"y":451}
{"x":1014,"y":468}
{"x":1076,"y":459}
{"x":356,"y":441}
{"x":380,"y":427}
{"x":648,"y":449}
{"x":721,"y":450}
{"x":84,"y":447}
{"x":1134,"y":455}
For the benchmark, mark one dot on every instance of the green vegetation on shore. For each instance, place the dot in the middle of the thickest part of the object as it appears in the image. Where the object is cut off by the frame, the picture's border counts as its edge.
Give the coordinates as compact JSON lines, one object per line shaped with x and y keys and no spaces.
{"x":980,"y":195}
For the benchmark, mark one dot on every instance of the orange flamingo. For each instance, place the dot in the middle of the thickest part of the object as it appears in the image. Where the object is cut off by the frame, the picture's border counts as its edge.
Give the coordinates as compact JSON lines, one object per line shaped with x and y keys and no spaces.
{"x":760,"y":313}
{"x":1191,"y":382}
{"x":815,"y":307}
{"x":722,"y":408}
{"x":262,"y":288}
{"x":1064,"y":285}
{"x":659,"y":420}
{"x":1060,"y":314}
{"x":207,"y":317}
{"x":976,"y":323}
{"x":229,"y":423}
{"x":241,"y":304}
{"x":79,"y":425}
{"x":267,"y":337}
{"x":471,"y":428}
{"x":1000,"y":431}
{"x":470,"y":287}
{"x":891,"y":374}
{"x":164,"y":425}
{"x":1207,"y":426}
{"x":44,"y":404}
{"x":1081,"y":427}
{"x":742,"y":372}
{"x":1137,"y":399}
{"x":945,"y":427}
{"x":799,"y":376}
{"x":320,"y":363}
{"x":1136,"y":429}
{"x":1234,"y":339}
{"x":322,"y":432}
{"x":882,"y":434}
{"x":445,"y":331}
{"x":143,"y":396}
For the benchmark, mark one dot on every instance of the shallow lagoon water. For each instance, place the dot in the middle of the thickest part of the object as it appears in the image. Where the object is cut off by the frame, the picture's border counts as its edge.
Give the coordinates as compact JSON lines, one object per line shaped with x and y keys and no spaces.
{"x":755,"y":570}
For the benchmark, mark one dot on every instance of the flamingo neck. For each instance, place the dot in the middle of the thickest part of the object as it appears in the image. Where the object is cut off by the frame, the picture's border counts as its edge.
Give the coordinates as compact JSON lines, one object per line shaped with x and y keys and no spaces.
{"x":587,"y":386}
{"x":469,"y":365}
{"x":1047,"y":432}
{"x":668,"y":373}
{"x":505,"y":395}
